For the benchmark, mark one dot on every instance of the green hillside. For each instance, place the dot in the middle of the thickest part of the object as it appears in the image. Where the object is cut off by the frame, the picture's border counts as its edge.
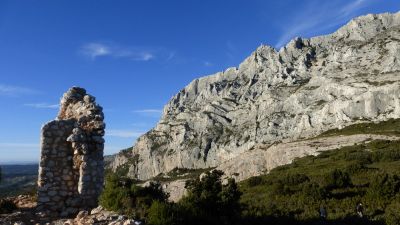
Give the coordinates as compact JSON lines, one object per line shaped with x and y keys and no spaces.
{"x":337,"y":180}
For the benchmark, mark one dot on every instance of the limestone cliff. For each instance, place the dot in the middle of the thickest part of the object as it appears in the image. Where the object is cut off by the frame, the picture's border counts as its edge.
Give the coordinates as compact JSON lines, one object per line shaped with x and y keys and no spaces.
{"x":305,"y":88}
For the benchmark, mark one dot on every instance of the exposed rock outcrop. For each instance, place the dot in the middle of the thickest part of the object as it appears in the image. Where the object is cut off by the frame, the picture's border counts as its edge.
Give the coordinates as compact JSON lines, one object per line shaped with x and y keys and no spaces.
{"x":71,"y":164}
{"x":25,"y":214}
{"x":305,"y":88}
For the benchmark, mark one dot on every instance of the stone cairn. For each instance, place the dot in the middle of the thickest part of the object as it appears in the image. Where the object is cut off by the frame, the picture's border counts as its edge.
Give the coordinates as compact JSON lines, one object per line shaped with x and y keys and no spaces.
{"x":71,"y":164}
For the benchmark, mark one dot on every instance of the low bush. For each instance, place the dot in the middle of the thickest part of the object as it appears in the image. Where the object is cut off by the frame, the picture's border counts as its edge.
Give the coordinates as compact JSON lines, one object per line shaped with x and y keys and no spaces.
{"x":294,"y":179}
{"x":124,"y":196}
{"x":254,"y":181}
{"x":384,"y":186}
{"x":314,"y":191}
{"x":337,"y":179}
{"x":161,"y":213}
{"x":208,"y":201}
{"x":392,"y":213}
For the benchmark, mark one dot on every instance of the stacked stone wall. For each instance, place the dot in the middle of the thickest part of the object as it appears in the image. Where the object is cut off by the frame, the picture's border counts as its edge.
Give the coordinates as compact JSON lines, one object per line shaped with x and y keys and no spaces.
{"x":71,"y":166}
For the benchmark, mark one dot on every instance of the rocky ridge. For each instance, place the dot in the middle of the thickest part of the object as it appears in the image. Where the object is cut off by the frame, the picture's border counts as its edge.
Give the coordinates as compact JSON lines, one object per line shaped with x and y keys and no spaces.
{"x":307,"y":87}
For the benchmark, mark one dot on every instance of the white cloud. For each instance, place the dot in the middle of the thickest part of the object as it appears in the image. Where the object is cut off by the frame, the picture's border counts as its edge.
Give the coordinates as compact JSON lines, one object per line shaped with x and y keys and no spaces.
{"x":42,"y":105}
{"x":9,"y":90}
{"x":95,"y":50}
{"x":316,"y":17}
{"x":144,"y":56}
{"x":124,"y":133}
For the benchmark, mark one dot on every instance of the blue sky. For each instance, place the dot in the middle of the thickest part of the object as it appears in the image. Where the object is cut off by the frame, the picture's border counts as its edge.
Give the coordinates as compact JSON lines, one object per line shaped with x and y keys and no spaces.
{"x":135,"y":55}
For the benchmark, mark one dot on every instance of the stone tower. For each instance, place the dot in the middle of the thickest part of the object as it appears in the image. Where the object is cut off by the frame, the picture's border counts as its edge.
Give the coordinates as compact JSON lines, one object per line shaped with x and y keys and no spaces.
{"x":71,"y":164}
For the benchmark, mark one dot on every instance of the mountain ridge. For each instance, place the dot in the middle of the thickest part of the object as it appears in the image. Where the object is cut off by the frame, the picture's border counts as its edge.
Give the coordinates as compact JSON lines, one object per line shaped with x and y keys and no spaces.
{"x":307,"y":87}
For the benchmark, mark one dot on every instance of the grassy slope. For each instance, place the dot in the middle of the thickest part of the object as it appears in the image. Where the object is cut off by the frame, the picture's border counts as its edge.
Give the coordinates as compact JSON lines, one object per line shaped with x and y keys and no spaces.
{"x":299,"y":189}
{"x":389,"y":127}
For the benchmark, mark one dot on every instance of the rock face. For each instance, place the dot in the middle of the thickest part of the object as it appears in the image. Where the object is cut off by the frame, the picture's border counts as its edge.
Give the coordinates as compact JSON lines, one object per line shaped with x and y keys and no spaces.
{"x":305,"y":88}
{"x":71,"y":164}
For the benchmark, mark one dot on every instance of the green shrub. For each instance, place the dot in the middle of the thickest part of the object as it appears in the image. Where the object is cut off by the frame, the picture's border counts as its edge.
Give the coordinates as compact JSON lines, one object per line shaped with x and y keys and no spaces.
{"x":209,"y":202}
{"x":7,"y":206}
{"x":161,"y":213}
{"x":361,"y":156}
{"x":385,"y":150}
{"x":294,"y":179}
{"x":314,"y":191}
{"x":230,"y":197}
{"x":123,"y":196}
{"x":384,"y":186}
{"x":116,"y":195}
{"x":254,"y":181}
{"x":279,"y":188}
{"x":392,"y":213}
{"x":355,"y":167}
{"x":337,"y":179}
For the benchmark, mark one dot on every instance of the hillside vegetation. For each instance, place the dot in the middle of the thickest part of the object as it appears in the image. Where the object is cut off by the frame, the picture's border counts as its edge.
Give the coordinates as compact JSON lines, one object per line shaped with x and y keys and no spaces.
{"x":336,"y":180}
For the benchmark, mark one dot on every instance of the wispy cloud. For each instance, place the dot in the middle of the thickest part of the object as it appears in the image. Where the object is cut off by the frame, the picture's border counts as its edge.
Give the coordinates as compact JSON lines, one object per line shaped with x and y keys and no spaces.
{"x":42,"y":105}
{"x":171,"y":55}
{"x":351,"y":7}
{"x":124,"y":133}
{"x":318,"y":16}
{"x":231,"y":49}
{"x":207,"y":63}
{"x":96,"y":50}
{"x":9,"y":90}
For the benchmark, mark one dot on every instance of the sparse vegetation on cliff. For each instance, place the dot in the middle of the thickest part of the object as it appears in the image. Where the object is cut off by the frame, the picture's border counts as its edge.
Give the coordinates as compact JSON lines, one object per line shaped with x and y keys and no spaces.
{"x":181,"y":173}
{"x":389,"y":127}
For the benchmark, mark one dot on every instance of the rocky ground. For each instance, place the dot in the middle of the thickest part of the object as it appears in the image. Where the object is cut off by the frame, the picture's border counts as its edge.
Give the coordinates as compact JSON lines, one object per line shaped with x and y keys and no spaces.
{"x":26,"y":215}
